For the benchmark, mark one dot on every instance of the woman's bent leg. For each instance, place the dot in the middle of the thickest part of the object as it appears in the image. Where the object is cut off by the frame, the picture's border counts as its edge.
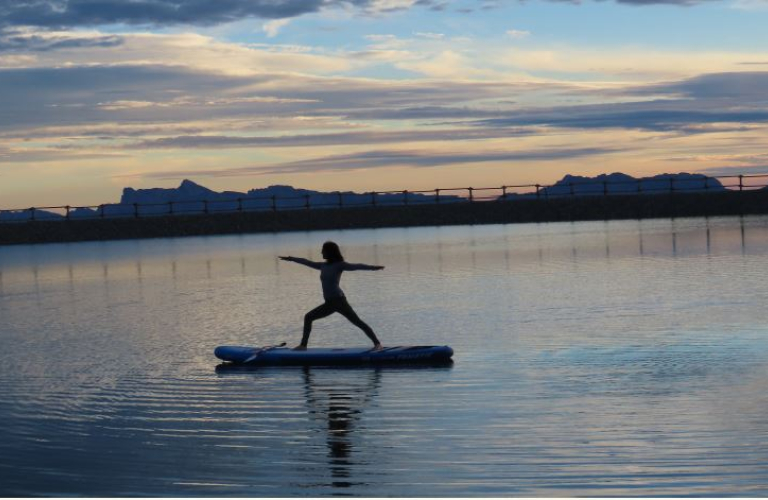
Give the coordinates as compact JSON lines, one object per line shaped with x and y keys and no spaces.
{"x":346,"y":310}
{"x":318,"y":312}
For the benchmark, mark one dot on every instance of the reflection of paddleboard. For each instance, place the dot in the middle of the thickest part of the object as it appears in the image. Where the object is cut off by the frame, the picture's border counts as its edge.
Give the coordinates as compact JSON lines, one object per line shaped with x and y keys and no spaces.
{"x":331,"y":356}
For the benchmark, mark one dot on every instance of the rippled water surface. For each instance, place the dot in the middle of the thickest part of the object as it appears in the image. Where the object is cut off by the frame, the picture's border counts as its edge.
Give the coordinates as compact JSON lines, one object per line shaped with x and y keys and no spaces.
{"x":601,"y":358}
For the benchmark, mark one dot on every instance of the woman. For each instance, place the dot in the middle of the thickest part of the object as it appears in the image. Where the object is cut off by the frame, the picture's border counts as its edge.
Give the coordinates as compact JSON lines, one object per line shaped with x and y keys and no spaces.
{"x":335,"y":301}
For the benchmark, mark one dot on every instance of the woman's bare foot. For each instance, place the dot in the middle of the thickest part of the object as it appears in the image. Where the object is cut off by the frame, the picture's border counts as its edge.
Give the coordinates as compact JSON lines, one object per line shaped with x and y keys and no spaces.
{"x":377,"y":347}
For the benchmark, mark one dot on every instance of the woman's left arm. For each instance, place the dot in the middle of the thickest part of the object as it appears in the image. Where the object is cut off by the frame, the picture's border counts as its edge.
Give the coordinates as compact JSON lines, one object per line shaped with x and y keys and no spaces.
{"x":348,"y":266}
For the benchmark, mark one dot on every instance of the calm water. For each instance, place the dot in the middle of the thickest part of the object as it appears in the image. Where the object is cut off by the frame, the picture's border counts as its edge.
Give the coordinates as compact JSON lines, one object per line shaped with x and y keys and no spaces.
{"x":607,"y":358}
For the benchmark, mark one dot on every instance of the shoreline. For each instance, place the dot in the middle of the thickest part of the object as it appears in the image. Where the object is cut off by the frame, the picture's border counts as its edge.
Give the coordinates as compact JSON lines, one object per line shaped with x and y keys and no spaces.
{"x":560,"y":209}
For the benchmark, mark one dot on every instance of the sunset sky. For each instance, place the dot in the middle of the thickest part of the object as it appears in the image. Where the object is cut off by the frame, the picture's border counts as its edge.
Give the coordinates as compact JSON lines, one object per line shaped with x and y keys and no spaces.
{"x":97,"y":95}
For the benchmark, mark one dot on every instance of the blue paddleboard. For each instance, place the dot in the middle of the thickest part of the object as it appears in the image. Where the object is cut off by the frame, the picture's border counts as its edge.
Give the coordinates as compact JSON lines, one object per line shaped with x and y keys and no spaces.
{"x":331,"y":356}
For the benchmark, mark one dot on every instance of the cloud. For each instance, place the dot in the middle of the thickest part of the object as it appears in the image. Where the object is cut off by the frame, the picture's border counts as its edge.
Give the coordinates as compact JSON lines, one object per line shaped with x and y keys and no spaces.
{"x":707,"y":103}
{"x":157,"y":101}
{"x":73,"y":13}
{"x":127,"y":98}
{"x":74,"y":95}
{"x":749,"y":88}
{"x":430,"y":36}
{"x":420,"y":159}
{"x":134,"y":95}
{"x":192,"y":50}
{"x":272,"y":28}
{"x":29,"y":41}
{"x":660,"y":116}
{"x":386,"y":159}
{"x":348,"y":138}
{"x":80,"y":13}
{"x":518,"y":34}
{"x":751,"y":5}
{"x":386,"y":42}
{"x":39,"y":155}
{"x":626,"y":63}
{"x":384,"y":6}
{"x":641,"y":3}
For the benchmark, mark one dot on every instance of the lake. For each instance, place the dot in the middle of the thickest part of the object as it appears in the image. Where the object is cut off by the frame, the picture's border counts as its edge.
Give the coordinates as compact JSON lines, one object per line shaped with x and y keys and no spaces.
{"x":592,"y":358}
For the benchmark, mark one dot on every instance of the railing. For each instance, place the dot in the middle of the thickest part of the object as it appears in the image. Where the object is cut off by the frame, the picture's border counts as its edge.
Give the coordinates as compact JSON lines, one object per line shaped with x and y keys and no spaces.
{"x":671,"y":185}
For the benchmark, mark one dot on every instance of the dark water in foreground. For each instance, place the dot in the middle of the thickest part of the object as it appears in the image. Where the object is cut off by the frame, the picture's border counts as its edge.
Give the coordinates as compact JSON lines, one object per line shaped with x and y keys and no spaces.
{"x":618,"y":358}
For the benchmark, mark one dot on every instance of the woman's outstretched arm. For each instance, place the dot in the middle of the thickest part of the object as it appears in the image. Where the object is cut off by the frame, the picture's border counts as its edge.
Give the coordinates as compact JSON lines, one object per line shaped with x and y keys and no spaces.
{"x":348,"y":266}
{"x":299,"y":260}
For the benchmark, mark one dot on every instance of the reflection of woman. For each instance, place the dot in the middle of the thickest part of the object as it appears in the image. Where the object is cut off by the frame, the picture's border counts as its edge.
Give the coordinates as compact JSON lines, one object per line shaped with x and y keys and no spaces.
{"x":343,"y":405}
{"x":335,"y":301}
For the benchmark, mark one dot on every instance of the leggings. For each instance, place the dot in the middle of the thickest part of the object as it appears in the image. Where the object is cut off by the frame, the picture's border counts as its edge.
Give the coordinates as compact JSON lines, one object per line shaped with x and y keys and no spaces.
{"x":341,"y":306}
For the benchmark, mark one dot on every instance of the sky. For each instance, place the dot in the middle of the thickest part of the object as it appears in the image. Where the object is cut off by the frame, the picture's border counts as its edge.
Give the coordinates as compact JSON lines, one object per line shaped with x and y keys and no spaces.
{"x":98,"y":95}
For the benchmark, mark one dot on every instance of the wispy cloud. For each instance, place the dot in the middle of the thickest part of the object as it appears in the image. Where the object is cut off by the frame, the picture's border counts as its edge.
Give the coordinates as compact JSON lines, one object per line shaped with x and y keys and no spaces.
{"x":518,"y":34}
{"x":25,"y":40}
{"x":707,"y":103}
{"x":751,"y":5}
{"x":431,"y":36}
{"x":348,"y":138}
{"x":387,"y":159}
{"x":272,"y":28}
{"x":71,"y":13}
{"x":39,"y":155}
{"x":662,"y":116}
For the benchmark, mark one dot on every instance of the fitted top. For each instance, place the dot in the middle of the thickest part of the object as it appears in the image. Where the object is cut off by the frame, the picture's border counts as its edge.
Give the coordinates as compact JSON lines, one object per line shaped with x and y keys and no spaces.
{"x":330,"y":274}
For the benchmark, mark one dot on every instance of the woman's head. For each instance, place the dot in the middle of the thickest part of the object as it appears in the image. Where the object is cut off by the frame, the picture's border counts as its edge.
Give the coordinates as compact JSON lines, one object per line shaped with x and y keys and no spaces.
{"x":332,"y":252}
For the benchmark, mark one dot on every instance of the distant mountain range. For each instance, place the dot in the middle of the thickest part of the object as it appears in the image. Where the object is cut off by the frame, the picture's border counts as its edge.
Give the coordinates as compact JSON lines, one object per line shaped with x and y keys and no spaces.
{"x":618,"y":183}
{"x":191,"y":197}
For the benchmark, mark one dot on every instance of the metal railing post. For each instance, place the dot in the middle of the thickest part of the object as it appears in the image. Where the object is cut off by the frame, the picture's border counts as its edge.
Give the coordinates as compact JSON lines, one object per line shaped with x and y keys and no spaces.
{"x":504,"y":193}
{"x":405,"y":197}
{"x":741,"y":183}
{"x":471,"y":194}
{"x":101,"y":211}
{"x":32,"y":213}
{"x":66,"y":215}
{"x":373,"y":198}
{"x":341,"y":200}
{"x":538,"y":191}
{"x":437,"y":196}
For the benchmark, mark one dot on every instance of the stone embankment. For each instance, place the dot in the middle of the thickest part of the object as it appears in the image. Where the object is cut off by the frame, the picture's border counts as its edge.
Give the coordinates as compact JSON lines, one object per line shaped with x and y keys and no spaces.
{"x":480,"y":212}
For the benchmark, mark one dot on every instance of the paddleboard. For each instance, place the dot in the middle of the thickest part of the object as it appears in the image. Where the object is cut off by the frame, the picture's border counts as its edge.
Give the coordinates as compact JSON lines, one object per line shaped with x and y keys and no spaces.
{"x":333,"y":356}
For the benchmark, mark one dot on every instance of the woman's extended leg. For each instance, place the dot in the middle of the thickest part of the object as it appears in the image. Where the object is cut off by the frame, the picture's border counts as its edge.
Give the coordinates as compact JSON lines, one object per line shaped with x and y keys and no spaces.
{"x":346,"y":310}
{"x":318,"y":312}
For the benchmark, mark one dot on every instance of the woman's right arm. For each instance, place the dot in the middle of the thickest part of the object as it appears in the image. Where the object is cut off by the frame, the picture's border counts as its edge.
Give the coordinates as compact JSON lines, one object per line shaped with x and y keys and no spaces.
{"x":299,"y":260}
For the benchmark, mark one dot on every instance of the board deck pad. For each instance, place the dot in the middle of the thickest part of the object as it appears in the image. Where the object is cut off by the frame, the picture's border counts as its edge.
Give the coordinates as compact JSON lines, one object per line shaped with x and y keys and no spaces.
{"x":333,"y":356}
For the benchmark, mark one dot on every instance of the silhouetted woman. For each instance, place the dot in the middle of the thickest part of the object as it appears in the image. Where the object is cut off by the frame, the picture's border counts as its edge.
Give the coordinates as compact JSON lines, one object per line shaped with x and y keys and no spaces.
{"x":335,"y":301}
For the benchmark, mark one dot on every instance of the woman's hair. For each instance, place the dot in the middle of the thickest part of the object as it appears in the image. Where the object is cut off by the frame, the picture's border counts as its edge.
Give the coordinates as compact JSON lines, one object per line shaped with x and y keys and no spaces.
{"x":332,"y":252}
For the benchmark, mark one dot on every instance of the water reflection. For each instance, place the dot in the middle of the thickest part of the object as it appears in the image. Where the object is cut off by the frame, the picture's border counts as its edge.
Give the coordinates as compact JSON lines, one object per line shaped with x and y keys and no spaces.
{"x":340,"y":406}
{"x":652,"y":238}
{"x":620,"y":358}
{"x":743,"y":235}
